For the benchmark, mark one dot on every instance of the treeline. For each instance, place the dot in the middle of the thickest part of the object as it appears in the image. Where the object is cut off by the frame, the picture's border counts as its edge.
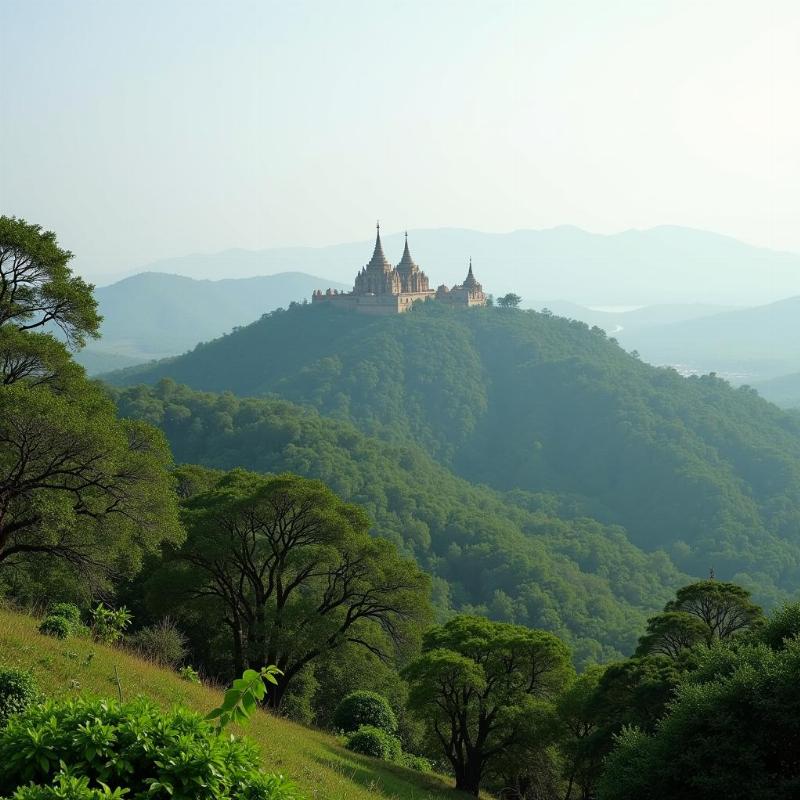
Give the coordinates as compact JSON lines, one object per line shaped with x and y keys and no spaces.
{"x":526,"y":401}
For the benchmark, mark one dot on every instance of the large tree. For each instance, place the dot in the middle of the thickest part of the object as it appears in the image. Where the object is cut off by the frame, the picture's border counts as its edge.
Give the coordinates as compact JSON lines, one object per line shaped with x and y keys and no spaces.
{"x":477,"y":685}
{"x":702,"y":611}
{"x":295,"y":573}
{"x":76,"y":483}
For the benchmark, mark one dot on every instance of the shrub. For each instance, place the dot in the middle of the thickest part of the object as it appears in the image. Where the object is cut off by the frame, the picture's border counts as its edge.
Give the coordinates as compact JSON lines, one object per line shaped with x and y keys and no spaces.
{"x":17,"y":692}
{"x":162,"y":643}
{"x":55,"y":626}
{"x":189,"y":674}
{"x":68,"y":788}
{"x":69,"y":611}
{"x":108,"y":625}
{"x":134,"y":746}
{"x":365,"y":708}
{"x":371,"y":741}
{"x":418,"y":763}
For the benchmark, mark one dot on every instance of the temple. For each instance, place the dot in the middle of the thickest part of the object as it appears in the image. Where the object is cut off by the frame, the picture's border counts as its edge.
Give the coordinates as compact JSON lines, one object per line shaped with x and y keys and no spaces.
{"x":380,"y":288}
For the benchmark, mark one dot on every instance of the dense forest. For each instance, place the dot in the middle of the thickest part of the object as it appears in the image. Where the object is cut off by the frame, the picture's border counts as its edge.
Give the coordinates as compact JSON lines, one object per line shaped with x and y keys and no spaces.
{"x":515,"y":557}
{"x":523,"y":401}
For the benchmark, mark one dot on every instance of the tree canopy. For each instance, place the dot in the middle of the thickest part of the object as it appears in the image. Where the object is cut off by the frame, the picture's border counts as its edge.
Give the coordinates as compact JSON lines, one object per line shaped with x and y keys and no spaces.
{"x":476,"y":685}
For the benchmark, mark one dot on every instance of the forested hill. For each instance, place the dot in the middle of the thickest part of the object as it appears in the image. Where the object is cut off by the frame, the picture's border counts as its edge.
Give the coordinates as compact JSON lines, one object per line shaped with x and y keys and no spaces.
{"x":520,"y":400}
{"x":527,"y":559}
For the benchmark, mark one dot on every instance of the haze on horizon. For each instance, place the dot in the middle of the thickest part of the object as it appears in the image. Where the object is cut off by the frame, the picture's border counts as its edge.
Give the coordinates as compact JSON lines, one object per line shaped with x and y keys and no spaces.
{"x":151,"y":130}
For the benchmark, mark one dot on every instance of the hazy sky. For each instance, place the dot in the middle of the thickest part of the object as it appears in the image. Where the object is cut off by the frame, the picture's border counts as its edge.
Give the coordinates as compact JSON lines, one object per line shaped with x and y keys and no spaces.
{"x":153,"y":128}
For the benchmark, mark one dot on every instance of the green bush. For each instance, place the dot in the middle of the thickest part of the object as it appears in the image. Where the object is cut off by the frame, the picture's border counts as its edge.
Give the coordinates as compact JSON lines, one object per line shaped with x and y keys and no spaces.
{"x":163,"y":643}
{"x":17,"y":691}
{"x":108,"y":625}
{"x":189,"y":674}
{"x":418,"y":763}
{"x":132,"y":746}
{"x":68,"y":788}
{"x":371,"y":741}
{"x":69,"y":611}
{"x":365,"y":708}
{"x":55,"y":626}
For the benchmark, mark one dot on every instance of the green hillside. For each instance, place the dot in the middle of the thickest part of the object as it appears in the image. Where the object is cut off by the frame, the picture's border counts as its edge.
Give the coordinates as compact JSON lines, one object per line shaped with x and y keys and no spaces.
{"x":530,"y":402}
{"x":316,"y":762}
{"x":510,"y":557}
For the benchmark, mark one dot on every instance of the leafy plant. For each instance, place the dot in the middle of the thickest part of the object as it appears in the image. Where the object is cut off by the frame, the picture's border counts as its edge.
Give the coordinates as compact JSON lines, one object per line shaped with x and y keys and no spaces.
{"x":17,"y":691}
{"x":242,"y":699}
{"x":55,"y":626}
{"x":371,"y":741}
{"x":189,"y":674}
{"x":365,"y":708}
{"x":82,"y":744}
{"x":69,"y":611}
{"x":108,"y":624}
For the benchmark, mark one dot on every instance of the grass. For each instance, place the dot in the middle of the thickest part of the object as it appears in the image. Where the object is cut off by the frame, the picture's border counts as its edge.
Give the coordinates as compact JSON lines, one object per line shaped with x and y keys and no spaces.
{"x":313,"y":759}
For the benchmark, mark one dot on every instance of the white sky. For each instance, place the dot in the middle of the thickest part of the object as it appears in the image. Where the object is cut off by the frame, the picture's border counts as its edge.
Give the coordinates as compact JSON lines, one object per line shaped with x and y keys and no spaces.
{"x":157,"y":128}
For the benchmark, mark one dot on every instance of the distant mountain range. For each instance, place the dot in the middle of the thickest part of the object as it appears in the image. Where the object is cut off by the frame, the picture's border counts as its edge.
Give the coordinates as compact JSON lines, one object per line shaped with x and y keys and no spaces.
{"x":663,"y":265}
{"x":153,"y":315}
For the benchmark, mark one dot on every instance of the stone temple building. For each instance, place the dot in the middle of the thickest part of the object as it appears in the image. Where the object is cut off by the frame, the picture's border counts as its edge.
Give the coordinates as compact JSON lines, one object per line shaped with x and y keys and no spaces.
{"x":380,"y":288}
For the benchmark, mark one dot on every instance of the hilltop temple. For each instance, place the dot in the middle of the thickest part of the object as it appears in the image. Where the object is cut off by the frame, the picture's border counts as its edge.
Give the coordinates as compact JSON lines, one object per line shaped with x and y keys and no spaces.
{"x":380,"y":288}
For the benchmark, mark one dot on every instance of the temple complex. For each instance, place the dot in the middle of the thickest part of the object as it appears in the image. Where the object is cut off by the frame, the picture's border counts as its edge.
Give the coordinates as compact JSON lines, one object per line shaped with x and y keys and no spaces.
{"x":380,"y":288}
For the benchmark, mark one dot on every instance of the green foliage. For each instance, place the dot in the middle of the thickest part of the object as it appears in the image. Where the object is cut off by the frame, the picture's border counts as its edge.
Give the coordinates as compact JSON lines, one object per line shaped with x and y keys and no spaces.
{"x":242,"y":699}
{"x":376,"y":742}
{"x":17,"y":692}
{"x":731,"y":732}
{"x":132,"y":746}
{"x":505,"y":556}
{"x":68,"y":787}
{"x":530,"y":402}
{"x":162,"y":642}
{"x":109,"y":624}
{"x":294,"y":597}
{"x":69,"y":611}
{"x":782,"y":626}
{"x":189,"y":674}
{"x":37,"y":287}
{"x":55,"y":626}
{"x":481,"y":687}
{"x":510,"y":300}
{"x":365,"y":708}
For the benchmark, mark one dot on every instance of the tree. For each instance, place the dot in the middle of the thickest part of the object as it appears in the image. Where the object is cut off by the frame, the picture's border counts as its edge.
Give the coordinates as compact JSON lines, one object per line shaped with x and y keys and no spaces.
{"x":76,"y":483}
{"x":509,"y":300}
{"x":295,"y":572}
{"x":477,"y":684}
{"x":732,"y":731}
{"x":672,"y":632}
{"x":702,"y":611}
{"x":37,"y":288}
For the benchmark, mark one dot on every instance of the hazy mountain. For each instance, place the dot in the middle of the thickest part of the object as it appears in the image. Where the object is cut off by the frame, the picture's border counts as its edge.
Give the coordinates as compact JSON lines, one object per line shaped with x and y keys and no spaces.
{"x":784,"y":390}
{"x":746,"y":345}
{"x":152,"y":315}
{"x":613,"y":322}
{"x":663,"y":265}
{"x":521,"y":401}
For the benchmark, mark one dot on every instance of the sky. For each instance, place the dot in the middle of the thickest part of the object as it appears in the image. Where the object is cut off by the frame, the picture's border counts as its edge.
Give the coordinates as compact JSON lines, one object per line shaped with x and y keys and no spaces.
{"x":153,"y":129}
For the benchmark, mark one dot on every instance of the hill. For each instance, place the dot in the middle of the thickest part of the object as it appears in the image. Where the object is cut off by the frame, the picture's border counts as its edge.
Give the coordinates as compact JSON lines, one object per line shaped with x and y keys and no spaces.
{"x":530,"y":402}
{"x":748,"y":344}
{"x":535,"y":559}
{"x":314,"y":760}
{"x":662,"y":265}
{"x":783,"y":390}
{"x":152,"y":315}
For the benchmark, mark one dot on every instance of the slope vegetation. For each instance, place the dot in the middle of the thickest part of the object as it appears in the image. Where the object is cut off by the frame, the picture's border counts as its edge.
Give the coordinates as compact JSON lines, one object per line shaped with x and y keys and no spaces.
{"x":314,"y":760}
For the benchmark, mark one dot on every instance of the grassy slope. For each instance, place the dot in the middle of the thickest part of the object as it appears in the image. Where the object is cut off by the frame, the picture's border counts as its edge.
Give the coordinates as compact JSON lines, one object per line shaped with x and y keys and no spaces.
{"x":323,"y":769}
